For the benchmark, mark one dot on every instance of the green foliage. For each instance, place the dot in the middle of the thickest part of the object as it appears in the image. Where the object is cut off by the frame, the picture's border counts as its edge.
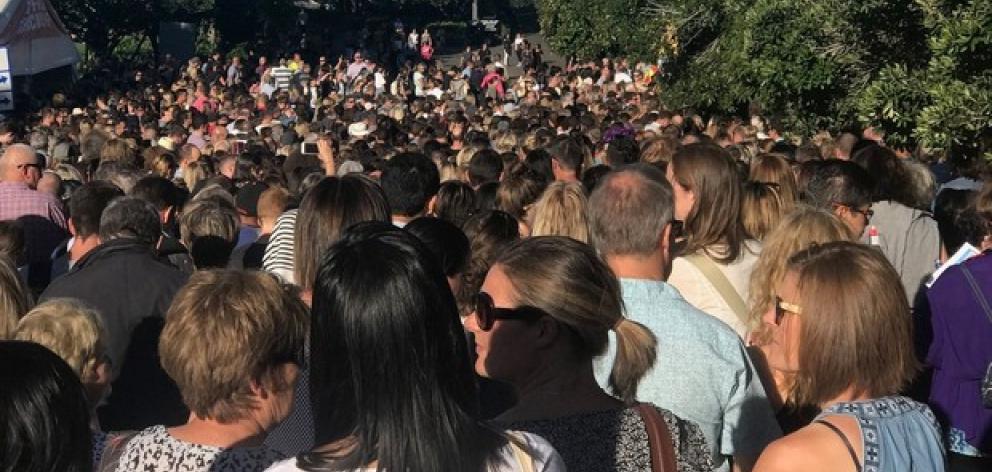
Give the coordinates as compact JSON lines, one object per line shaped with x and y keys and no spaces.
{"x":595,"y":28}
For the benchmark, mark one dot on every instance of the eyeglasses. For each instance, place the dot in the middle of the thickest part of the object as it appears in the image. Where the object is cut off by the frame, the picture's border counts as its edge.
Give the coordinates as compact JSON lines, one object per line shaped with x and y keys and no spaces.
{"x":867,"y":212}
{"x":486,"y":314}
{"x":782,"y":307}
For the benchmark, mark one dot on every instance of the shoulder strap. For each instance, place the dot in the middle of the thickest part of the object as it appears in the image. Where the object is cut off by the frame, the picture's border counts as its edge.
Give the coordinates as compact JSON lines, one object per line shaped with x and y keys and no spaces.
{"x":847,"y":443}
{"x":977,"y":291}
{"x":522,"y":457}
{"x":719,"y":281}
{"x":659,"y":439}
{"x":113,"y":450}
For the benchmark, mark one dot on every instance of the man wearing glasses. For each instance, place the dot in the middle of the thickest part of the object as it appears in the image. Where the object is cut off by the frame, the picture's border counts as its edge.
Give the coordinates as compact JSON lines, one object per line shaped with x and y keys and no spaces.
{"x":40,"y":214}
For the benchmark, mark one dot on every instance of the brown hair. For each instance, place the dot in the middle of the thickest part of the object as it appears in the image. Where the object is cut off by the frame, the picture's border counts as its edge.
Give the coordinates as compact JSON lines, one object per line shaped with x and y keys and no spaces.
{"x":227,"y":329}
{"x":561,"y":211}
{"x":117,"y":150}
{"x":329,"y":208}
{"x":488,"y":233}
{"x":856,"y":328}
{"x":713,"y":224}
{"x":659,"y":150}
{"x":797,"y":230}
{"x":567,"y":280}
{"x":518,"y":192}
{"x":15,"y":300}
{"x":775,"y":169}
{"x":761,"y":208}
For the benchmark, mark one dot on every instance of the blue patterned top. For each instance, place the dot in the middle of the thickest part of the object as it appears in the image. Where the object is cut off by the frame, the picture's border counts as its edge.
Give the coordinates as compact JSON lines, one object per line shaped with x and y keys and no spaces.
{"x":898,"y":434}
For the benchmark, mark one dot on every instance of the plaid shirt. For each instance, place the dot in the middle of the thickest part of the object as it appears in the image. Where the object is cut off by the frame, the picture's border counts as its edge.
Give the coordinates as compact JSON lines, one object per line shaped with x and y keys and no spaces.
{"x":43,"y":220}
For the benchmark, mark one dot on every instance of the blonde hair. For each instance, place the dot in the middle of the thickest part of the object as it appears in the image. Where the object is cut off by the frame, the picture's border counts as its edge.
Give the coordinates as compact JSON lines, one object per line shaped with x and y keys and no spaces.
{"x":209,"y":217}
{"x":797,"y":230}
{"x":561,"y":211}
{"x":68,"y":328}
{"x":567,"y":280}
{"x":15,"y":300}
{"x":761,"y":208}
{"x":856,"y":325}
{"x":775,"y":169}
{"x":117,"y":150}
{"x":194,"y":173}
{"x":227,"y":329}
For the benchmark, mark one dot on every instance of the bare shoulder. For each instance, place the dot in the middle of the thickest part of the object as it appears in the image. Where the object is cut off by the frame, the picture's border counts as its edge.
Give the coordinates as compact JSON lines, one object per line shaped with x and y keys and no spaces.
{"x":792,"y":452}
{"x":813,"y":448}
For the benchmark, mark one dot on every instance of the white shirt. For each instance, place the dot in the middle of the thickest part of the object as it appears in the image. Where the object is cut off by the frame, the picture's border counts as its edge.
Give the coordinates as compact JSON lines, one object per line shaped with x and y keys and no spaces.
{"x":545,"y":458}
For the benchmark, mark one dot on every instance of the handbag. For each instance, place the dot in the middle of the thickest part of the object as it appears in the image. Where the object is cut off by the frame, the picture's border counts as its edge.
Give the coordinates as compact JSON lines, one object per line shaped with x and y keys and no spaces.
{"x":986,"y":389}
{"x":659,"y":439}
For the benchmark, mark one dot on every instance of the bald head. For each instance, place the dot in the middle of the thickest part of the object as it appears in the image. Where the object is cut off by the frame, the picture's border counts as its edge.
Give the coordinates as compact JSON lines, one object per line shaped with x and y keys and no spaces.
{"x":20,"y":163}
{"x":628,"y":213}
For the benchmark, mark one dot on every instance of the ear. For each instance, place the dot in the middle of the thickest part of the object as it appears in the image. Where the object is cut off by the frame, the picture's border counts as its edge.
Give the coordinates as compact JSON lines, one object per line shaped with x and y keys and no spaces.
{"x":665,"y":242}
{"x":432,"y":205}
{"x":546,"y":332}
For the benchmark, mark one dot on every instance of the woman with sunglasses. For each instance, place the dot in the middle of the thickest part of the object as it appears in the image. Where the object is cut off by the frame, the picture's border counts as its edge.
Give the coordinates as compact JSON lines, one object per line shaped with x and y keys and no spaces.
{"x":543,"y":314}
{"x":841,"y":326}
{"x":392,"y":384}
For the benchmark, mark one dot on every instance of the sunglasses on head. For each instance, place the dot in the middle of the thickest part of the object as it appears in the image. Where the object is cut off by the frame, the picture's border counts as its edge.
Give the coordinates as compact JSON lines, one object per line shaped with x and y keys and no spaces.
{"x":782,"y":307}
{"x":486,"y":313}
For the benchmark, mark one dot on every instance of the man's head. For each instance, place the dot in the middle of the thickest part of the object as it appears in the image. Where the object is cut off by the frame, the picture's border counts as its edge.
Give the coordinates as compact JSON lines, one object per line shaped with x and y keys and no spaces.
{"x":621,"y":152}
{"x":485,"y":166}
{"x":566,"y":159}
{"x":845,"y":189}
{"x":209,"y":229}
{"x":160,"y":192}
{"x":20,"y":163}
{"x":630,"y":213}
{"x":130,"y":218}
{"x":87,"y":205}
{"x":410,"y":180}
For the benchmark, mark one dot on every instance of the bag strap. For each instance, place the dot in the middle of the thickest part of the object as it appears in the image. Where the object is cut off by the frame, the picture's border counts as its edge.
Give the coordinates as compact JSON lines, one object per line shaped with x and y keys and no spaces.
{"x":523,"y":457}
{"x":659,"y":439}
{"x":977,"y":291}
{"x":720,"y":282}
{"x":113,"y":450}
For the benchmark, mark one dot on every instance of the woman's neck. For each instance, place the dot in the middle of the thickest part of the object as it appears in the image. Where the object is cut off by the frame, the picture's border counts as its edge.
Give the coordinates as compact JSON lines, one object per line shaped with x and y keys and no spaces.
{"x":208,"y":432}
{"x":851,"y":394}
{"x":559,"y":389}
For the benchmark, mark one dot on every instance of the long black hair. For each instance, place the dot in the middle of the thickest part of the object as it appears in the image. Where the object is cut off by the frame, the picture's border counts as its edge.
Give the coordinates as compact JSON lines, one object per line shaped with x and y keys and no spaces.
{"x":44,"y":418}
{"x":391,"y":379}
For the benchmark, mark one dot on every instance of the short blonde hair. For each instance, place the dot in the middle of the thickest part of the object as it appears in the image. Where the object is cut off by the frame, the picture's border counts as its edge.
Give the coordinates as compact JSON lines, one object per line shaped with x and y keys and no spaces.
{"x":561,"y":211}
{"x":856,"y":325}
{"x":225,"y":330}
{"x":761,"y":208}
{"x":68,"y":328}
{"x":798,"y":230}
{"x":15,"y":299}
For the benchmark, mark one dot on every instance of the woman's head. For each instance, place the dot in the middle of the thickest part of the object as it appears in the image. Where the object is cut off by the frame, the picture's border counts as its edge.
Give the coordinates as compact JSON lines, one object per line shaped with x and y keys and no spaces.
{"x":15,"y":300}
{"x":488,"y":233}
{"x":707,"y":195}
{"x":447,"y":243}
{"x":761,"y":208}
{"x":455,"y":202}
{"x":798,"y":230}
{"x":326,"y":211}
{"x":233,"y":342}
{"x":775,"y":169}
{"x":388,"y":353}
{"x":561,"y":211}
{"x":841,"y":323}
{"x":45,"y":418}
{"x":563,"y":300}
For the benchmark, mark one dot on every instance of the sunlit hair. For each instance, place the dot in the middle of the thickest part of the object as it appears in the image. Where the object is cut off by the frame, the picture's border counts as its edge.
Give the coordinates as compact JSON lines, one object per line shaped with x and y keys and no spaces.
{"x":761,"y":208}
{"x":775,"y":169}
{"x":561,"y":211}
{"x":567,"y":280}
{"x":855,"y":326}
{"x":15,"y":299}
{"x":68,"y":328}
{"x":797,"y":230}
{"x":713,"y":224}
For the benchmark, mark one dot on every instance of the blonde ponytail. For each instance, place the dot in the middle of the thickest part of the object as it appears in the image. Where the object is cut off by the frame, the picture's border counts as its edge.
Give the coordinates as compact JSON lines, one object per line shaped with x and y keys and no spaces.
{"x":636,"y":352}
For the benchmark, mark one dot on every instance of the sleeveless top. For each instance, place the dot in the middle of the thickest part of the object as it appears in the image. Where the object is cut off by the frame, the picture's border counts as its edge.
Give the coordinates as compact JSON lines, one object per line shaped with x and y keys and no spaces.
{"x":898,"y":434}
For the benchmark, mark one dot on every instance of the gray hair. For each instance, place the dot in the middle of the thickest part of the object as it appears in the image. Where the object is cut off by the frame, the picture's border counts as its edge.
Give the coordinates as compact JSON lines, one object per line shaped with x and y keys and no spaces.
{"x":130,"y":217}
{"x":628,"y":212}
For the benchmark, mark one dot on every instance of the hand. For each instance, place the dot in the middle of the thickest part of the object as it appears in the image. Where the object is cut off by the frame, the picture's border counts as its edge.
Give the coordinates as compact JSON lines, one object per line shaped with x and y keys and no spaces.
{"x":325,"y":152}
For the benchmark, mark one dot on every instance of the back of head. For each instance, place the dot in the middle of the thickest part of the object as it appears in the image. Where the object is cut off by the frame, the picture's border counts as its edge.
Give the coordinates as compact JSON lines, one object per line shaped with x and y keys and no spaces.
{"x":228,"y":331}
{"x":891,"y":177}
{"x":409,"y":181}
{"x":485,"y":166}
{"x":713,"y":224}
{"x":272,"y":203}
{"x":381,"y":304}
{"x":12,"y":241}
{"x":68,"y":328}
{"x":209,"y":229}
{"x":456,"y":202}
{"x":621,"y":151}
{"x":130,"y":218}
{"x":561,"y":211}
{"x":43,"y":412}
{"x":15,"y":299}
{"x":957,"y":219}
{"x":123,"y":175}
{"x":446,"y":242}
{"x":856,"y":330}
{"x":488,"y":233}
{"x":628,"y":213}
{"x":797,"y":230}
{"x":328,"y":209}
{"x":88,"y":203}
{"x":568,"y":153}
{"x":567,"y":280}
{"x":762,"y":206}
{"x":837,"y":182}
{"x":158,"y":191}
{"x":775,"y":169}
{"x":518,"y":191}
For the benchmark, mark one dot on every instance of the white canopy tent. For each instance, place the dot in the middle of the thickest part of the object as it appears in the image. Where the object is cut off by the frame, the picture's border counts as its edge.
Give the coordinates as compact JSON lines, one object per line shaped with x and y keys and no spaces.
{"x":35,"y":38}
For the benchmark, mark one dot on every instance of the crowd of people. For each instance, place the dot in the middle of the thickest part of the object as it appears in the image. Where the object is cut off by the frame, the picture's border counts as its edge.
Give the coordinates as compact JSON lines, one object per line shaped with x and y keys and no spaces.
{"x":242,"y":264}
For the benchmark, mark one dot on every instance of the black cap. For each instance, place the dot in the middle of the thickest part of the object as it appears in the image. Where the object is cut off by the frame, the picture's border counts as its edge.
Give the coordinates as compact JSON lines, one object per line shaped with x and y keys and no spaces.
{"x":247,"y":198}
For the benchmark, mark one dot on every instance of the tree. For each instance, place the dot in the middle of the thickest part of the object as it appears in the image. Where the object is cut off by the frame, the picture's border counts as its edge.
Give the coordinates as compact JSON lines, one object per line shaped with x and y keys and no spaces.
{"x":597,"y":28}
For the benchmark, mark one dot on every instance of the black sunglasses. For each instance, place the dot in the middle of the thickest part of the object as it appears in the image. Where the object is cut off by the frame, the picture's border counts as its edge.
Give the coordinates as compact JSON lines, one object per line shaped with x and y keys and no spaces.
{"x":486,"y":314}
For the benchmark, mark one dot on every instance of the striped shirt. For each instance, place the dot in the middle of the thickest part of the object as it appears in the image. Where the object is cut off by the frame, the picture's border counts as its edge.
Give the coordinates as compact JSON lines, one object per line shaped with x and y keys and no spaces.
{"x":282,"y":77}
{"x":281,"y":251}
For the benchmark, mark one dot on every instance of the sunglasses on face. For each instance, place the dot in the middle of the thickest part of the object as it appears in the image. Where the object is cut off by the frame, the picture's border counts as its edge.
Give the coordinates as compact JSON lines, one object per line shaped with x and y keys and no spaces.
{"x":486,"y":314}
{"x":782,"y":308}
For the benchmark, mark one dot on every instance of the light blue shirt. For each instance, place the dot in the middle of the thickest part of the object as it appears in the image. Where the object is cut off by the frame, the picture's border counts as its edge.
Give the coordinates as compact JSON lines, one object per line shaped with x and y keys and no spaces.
{"x":702,"y":372}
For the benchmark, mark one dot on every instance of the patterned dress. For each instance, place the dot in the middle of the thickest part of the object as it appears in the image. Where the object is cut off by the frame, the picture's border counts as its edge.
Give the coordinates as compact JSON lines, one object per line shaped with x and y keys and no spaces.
{"x":617,"y":440}
{"x":154,"y":449}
